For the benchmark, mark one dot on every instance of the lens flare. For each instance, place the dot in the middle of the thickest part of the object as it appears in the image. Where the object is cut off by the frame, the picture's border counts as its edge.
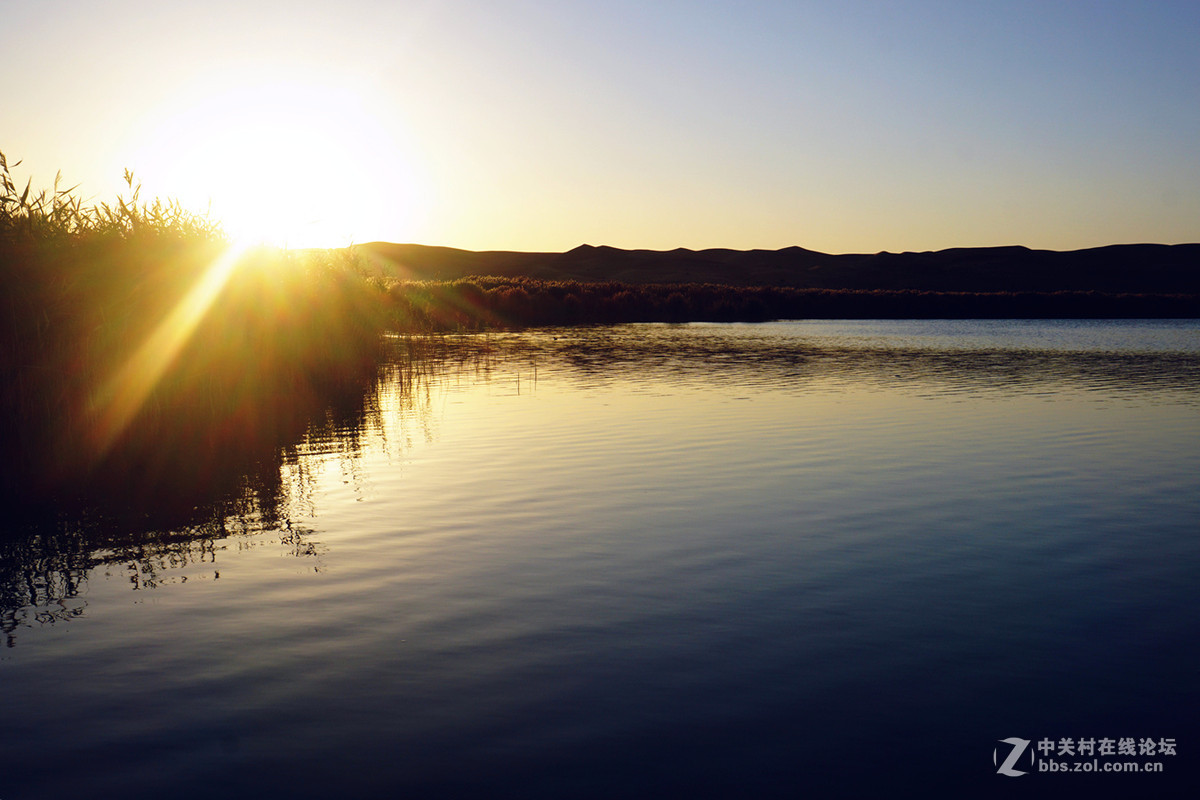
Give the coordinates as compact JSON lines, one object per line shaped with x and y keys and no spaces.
{"x":118,"y":401}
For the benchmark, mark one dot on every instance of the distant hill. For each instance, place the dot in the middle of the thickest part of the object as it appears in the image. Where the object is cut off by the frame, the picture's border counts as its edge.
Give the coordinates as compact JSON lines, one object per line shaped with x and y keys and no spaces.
{"x":1137,"y":268}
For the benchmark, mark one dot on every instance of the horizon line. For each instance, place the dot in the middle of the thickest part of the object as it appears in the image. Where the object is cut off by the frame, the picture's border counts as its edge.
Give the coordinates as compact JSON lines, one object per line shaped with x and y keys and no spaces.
{"x":588,"y":246}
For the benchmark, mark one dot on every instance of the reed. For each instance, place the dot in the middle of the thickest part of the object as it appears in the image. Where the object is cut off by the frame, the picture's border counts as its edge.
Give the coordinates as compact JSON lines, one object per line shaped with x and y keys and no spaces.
{"x":88,"y":293}
{"x":486,"y":302}
{"x":59,"y":215}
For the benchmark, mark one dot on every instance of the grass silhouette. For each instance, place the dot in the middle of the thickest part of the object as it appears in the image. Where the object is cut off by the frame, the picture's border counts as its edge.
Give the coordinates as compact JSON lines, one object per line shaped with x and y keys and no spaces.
{"x":479,"y":303}
{"x":144,"y":353}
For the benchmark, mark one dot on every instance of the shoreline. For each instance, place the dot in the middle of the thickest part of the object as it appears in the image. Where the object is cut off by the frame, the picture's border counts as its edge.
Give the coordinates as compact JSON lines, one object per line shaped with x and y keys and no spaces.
{"x":479,"y":303}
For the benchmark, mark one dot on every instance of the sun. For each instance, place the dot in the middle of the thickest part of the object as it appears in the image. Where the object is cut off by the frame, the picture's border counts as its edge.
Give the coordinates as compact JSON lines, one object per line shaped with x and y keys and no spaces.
{"x":291,"y":162}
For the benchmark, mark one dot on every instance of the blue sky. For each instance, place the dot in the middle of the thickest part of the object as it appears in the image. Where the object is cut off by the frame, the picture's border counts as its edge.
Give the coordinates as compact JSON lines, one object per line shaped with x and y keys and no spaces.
{"x":843,"y":127}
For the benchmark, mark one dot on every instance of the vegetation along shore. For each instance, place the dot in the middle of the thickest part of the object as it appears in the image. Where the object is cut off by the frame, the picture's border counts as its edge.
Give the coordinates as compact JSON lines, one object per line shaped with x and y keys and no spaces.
{"x":138,"y":342}
{"x":146,"y":357}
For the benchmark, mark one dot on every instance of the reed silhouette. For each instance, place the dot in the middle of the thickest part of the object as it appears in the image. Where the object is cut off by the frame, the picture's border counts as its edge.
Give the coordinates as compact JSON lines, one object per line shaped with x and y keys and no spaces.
{"x":478,"y":303}
{"x":144,"y":354}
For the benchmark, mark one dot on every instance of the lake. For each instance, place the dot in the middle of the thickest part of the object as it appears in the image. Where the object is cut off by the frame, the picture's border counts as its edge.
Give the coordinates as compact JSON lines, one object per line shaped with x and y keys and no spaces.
{"x":836,"y":558}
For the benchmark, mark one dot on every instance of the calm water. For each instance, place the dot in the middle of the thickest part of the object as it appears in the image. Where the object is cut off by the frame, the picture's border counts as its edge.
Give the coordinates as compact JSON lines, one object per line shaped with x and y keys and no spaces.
{"x":823,"y":559}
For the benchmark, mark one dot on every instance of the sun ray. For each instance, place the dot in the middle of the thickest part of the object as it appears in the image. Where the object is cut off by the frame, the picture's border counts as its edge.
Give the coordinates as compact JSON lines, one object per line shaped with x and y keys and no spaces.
{"x":118,"y":401}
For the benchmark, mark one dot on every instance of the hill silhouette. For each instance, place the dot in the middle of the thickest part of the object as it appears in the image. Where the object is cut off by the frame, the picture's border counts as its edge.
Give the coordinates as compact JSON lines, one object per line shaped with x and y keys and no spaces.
{"x":1124,"y":268}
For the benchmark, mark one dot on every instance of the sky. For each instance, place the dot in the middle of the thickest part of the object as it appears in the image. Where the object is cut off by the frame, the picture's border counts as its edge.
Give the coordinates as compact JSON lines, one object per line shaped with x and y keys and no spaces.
{"x":847,"y":126}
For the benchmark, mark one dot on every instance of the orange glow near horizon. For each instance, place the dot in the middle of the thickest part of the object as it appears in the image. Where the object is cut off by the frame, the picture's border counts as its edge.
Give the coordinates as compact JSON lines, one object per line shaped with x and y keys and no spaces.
{"x":281,"y":161}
